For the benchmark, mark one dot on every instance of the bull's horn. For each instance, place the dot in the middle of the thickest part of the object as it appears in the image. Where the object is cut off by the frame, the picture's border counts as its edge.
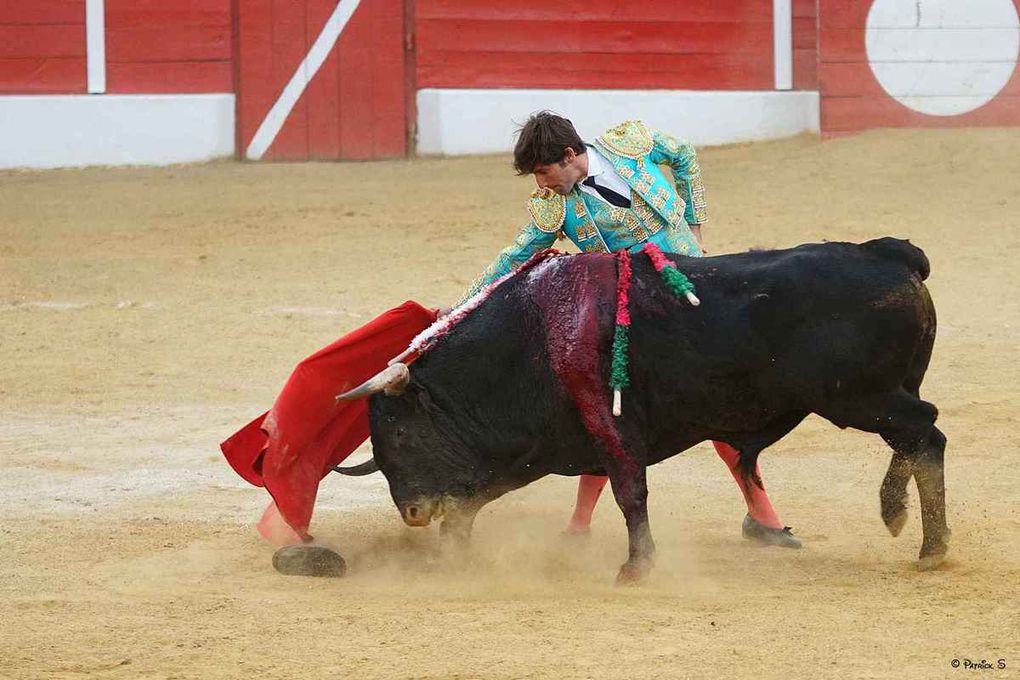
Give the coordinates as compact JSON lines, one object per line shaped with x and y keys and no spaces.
{"x":391,"y":380}
{"x":360,"y":470}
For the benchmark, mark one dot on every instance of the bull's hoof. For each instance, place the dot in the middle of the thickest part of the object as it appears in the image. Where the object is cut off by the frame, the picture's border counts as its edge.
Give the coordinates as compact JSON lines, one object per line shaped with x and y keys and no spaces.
{"x":896,"y":523}
{"x":933,"y":554}
{"x":309,"y":560}
{"x":753,"y":530}
{"x":931,"y":562}
{"x":633,"y":573}
{"x":894,"y":515}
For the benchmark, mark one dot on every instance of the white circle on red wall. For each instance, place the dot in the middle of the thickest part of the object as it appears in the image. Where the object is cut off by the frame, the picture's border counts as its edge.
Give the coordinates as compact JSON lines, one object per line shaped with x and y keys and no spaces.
{"x":943,"y":57}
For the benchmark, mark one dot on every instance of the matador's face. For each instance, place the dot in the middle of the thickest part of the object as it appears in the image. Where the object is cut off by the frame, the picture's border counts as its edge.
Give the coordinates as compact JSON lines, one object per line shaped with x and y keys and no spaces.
{"x":561,"y":177}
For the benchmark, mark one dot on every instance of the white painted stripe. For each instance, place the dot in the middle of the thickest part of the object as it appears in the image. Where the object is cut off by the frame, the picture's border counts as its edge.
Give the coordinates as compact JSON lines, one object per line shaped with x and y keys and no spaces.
{"x":316,"y":56}
{"x":95,"y":45}
{"x":782,"y":43}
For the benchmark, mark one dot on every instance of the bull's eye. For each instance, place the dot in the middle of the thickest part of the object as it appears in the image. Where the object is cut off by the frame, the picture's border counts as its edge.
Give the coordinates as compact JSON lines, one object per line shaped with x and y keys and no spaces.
{"x":391,"y":419}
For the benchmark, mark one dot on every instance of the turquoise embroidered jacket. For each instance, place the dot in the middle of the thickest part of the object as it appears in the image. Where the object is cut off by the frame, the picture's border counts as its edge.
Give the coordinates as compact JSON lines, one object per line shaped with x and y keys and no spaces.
{"x":660,"y":210}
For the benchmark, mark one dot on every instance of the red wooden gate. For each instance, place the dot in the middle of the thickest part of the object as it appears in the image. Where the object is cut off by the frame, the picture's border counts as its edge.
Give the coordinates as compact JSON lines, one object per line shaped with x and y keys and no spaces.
{"x":321,"y":79}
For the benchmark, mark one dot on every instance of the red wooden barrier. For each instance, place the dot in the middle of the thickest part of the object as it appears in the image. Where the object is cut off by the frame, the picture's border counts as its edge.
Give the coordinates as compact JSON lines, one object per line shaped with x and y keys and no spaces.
{"x":353,"y":107}
{"x":42,"y":46}
{"x":169,"y":46}
{"x":600,"y":44}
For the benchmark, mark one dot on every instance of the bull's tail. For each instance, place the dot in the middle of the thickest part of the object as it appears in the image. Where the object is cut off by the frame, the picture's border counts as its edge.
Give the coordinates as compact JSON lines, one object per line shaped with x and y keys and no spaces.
{"x":742,"y":460}
{"x":747,"y":465}
{"x":903,"y":251}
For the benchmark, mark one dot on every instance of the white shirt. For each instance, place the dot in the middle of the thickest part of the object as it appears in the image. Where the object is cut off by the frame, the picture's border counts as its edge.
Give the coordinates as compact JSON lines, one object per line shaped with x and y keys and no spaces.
{"x":605,"y":175}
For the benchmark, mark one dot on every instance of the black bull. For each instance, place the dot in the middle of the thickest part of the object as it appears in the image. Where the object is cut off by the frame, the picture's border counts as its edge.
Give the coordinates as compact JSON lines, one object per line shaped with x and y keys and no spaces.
{"x":519,"y":389}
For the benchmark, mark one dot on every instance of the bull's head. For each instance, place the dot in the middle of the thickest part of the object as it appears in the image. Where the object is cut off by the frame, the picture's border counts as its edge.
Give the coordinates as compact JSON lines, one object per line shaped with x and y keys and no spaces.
{"x":431,"y":473}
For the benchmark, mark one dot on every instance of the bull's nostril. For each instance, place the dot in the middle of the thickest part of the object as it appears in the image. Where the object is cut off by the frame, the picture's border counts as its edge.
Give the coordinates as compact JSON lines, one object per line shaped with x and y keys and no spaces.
{"x":412,"y":512}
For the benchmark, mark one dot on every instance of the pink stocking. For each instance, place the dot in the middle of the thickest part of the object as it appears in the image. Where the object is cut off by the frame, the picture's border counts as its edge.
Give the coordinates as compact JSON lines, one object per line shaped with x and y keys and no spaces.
{"x":758,"y":504}
{"x":589,"y":488}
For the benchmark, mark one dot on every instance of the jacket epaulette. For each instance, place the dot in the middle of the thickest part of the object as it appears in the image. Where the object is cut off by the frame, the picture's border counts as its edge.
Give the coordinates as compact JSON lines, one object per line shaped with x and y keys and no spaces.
{"x":630,"y":139}
{"x":548,"y":209}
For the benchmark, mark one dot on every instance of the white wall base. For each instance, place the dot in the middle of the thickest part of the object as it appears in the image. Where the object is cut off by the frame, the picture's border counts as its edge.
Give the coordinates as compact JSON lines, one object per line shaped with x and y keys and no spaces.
{"x":483,"y":121}
{"x":78,"y":130}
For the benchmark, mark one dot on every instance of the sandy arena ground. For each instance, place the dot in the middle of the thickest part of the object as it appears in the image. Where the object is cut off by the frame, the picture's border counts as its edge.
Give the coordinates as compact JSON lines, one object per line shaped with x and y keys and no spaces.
{"x":145,"y":314}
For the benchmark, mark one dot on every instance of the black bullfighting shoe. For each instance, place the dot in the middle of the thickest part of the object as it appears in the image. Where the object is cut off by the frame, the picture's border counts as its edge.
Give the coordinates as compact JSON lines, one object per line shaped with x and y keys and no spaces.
{"x":754,"y":530}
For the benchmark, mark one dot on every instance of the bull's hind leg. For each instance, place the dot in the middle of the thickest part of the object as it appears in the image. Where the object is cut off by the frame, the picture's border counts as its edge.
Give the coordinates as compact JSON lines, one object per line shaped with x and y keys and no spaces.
{"x":921,"y":457}
{"x":893,"y":493}
{"x":907,"y":424}
{"x":929,"y":473}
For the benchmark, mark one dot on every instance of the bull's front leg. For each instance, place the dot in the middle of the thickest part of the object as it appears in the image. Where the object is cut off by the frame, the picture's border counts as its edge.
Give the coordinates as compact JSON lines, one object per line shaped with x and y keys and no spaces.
{"x":459,"y":519}
{"x":631,"y":492}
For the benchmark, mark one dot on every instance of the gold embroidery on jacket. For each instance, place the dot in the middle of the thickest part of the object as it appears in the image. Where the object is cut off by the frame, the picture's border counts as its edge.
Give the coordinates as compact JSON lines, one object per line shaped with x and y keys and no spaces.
{"x":585,"y":226}
{"x":682,"y":191}
{"x":629,"y":221}
{"x":548,"y":209}
{"x":653,"y":223}
{"x":630,"y":139}
{"x":698,"y":198}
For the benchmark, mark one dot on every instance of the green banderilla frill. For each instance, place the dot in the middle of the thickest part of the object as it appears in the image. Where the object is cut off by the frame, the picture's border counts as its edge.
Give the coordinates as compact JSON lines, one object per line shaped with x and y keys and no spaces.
{"x":677,"y":281}
{"x":619,"y":377}
{"x":674,"y":279}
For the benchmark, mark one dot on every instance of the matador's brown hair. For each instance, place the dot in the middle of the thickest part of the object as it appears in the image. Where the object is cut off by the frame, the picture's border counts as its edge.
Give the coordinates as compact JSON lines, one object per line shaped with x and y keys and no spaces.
{"x":543,"y":140}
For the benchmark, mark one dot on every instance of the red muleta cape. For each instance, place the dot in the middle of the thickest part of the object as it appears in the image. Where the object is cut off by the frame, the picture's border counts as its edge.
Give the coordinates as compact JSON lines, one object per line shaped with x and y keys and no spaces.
{"x":291,"y":447}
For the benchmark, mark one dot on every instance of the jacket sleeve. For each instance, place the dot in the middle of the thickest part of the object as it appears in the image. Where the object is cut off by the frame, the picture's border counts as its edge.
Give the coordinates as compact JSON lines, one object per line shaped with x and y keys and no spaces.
{"x":530,"y":241}
{"x":679,"y":155}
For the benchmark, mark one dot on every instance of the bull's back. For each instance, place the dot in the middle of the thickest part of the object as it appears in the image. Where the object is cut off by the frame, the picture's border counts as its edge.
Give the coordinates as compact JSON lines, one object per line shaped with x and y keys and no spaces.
{"x":778,"y":329}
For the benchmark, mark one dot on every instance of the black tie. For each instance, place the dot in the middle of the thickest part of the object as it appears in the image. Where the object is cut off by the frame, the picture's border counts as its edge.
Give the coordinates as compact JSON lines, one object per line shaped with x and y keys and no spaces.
{"x":608,"y":194}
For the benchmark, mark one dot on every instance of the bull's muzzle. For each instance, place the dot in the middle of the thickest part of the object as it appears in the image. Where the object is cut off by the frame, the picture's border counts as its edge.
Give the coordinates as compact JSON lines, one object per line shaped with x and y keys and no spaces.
{"x":421,"y":512}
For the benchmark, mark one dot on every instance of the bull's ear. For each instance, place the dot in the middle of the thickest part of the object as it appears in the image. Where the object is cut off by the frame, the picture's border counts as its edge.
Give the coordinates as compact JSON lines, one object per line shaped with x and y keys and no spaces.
{"x":424,"y":400}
